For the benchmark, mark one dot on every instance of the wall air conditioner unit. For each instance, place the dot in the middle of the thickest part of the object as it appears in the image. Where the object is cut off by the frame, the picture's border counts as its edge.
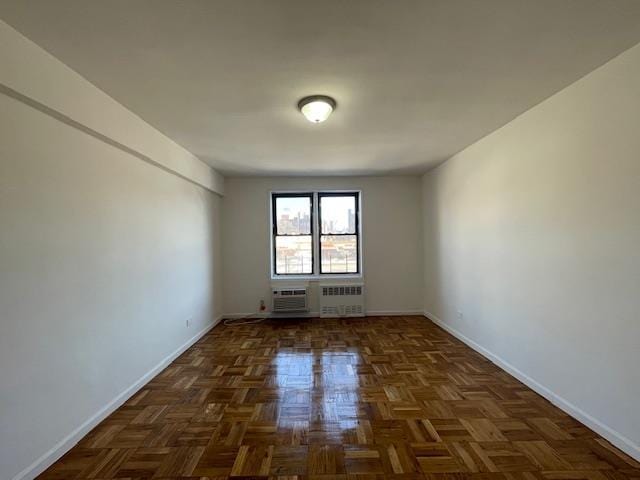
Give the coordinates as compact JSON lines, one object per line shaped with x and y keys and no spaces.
{"x":289,"y":300}
{"x":342,"y":300}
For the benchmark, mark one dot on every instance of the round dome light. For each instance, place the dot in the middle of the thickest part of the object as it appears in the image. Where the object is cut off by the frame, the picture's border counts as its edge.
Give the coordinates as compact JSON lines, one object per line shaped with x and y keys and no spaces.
{"x":317,"y":108}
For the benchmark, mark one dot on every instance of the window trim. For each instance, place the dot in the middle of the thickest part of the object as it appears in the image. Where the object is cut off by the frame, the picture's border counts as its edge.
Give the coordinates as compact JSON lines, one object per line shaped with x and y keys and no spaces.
{"x":356,"y":197}
{"x":316,"y":275}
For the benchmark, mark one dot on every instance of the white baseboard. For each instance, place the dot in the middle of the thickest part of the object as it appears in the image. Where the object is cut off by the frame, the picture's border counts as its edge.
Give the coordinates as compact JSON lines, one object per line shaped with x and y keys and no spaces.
{"x":271,"y":315}
{"x":623,"y":443}
{"x":393,"y":313}
{"x":375,"y":313}
{"x":64,"y":445}
{"x":242,"y":315}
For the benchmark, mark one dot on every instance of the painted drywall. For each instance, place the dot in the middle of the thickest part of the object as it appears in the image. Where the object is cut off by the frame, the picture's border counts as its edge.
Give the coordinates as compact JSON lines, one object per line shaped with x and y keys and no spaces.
{"x":532,"y":247}
{"x":30,"y":72}
{"x":103,"y":259}
{"x":391,"y":240}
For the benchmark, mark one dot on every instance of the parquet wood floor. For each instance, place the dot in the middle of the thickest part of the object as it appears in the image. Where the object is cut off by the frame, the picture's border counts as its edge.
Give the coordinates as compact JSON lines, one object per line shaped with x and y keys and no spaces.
{"x":345,"y":399}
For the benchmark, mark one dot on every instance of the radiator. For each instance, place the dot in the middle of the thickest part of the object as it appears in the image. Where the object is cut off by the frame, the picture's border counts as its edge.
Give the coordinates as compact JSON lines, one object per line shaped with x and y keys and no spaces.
{"x":342,"y":300}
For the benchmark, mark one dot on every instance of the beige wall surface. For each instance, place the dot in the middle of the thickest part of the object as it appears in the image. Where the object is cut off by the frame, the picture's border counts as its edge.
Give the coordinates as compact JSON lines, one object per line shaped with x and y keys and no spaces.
{"x":391,"y":240}
{"x":532,"y":247}
{"x":103,"y":258}
{"x":109,"y":242}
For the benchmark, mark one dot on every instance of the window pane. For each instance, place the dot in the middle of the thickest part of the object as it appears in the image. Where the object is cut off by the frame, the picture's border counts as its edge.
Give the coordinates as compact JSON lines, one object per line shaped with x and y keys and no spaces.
{"x":339,"y":254}
{"x":293,"y":215}
{"x":293,"y":255}
{"x":338,"y":214}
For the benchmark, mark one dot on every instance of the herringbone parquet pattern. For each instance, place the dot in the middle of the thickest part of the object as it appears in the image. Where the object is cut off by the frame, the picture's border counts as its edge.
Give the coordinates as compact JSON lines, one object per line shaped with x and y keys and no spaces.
{"x":347,"y":399}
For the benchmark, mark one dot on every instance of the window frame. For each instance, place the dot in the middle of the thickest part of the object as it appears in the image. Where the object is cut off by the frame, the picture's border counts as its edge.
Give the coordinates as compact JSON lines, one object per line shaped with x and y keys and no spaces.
{"x":315,"y":234}
{"x":356,"y":197}
{"x":275,"y":234}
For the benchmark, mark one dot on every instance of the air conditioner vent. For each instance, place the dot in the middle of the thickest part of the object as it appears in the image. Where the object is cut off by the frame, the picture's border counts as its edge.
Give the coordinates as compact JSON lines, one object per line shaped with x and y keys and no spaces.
{"x":293,"y":292}
{"x":342,"y":301}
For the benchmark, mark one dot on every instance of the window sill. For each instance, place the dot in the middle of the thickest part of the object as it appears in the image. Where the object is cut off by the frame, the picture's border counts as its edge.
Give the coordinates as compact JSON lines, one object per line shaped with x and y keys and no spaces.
{"x":315,"y":278}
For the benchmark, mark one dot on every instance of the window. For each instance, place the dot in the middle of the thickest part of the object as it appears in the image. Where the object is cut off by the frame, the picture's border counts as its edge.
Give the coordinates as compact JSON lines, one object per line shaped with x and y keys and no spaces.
{"x":305,"y":224}
{"x":338,"y":232}
{"x":293,"y":233}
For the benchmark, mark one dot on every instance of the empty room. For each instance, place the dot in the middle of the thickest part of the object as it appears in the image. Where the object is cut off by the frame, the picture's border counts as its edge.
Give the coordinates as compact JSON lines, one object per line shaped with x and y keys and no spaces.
{"x":316,"y":240}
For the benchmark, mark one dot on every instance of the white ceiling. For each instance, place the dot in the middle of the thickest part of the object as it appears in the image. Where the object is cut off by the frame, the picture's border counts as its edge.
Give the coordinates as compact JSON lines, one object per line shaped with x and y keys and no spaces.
{"x":415,"y":80}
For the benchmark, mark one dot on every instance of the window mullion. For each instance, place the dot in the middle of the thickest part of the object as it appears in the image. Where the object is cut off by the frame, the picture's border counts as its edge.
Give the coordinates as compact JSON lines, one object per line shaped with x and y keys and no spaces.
{"x":316,"y":231}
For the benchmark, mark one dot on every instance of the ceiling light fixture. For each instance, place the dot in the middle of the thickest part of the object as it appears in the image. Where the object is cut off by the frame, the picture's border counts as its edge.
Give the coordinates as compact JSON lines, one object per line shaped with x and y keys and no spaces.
{"x":317,"y":108}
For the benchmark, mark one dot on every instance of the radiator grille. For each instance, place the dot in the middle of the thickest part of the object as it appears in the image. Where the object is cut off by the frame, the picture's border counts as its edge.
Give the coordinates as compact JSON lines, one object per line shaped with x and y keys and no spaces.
{"x":329,"y":311}
{"x":353,"y":310}
{"x":342,"y":301}
{"x":342,"y":290}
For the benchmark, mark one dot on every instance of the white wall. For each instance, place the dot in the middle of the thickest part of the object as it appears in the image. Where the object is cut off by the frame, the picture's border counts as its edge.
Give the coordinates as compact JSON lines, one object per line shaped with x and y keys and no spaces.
{"x":533,"y":233}
{"x":391,"y":239}
{"x":103,"y":258}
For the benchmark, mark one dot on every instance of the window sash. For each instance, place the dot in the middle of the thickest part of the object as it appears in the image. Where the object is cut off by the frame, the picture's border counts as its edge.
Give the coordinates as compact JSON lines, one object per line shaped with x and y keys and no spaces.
{"x":324,"y":195}
{"x":274,"y":209}
{"x":336,"y":262}
{"x":356,"y":233}
{"x":275,"y":234}
{"x":302,"y":259}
